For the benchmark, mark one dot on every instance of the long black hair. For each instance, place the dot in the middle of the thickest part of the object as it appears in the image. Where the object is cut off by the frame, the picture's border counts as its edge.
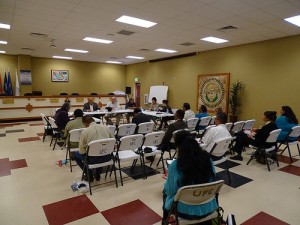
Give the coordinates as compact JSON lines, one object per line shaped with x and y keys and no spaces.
{"x":290,"y":115}
{"x":194,"y":163}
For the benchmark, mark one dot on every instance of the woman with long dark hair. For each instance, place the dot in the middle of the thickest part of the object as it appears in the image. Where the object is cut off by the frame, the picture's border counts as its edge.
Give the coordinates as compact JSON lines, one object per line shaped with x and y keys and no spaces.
{"x":193,"y":166}
{"x":286,"y":122}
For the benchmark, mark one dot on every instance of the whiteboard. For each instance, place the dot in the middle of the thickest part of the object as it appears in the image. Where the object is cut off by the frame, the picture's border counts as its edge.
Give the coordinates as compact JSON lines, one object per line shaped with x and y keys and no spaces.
{"x":160,"y":92}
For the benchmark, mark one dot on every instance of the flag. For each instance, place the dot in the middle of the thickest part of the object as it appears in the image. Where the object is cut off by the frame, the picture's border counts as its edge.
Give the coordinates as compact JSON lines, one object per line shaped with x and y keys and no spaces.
{"x":17,"y":92}
{"x":0,"y":85}
{"x":9,"y":86}
{"x":5,"y":83}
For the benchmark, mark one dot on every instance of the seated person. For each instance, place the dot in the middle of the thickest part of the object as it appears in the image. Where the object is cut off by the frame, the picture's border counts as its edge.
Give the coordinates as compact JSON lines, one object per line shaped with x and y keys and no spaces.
{"x":90,"y":106}
{"x":113,"y":105}
{"x":154,"y":105}
{"x":92,"y":132}
{"x":165,"y":108}
{"x":202,"y":113}
{"x":188,"y":113}
{"x":216,"y":133}
{"x":286,"y":122}
{"x":177,"y":125}
{"x":62,"y":117}
{"x":74,"y":124}
{"x":130,"y":105}
{"x":218,"y":110}
{"x":257,"y":137}
{"x":193,"y":166}
{"x":139,"y":117}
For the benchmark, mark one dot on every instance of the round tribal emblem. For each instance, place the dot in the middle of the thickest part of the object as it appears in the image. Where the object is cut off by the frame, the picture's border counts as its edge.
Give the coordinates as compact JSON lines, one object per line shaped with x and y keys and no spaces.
{"x":212,"y":92}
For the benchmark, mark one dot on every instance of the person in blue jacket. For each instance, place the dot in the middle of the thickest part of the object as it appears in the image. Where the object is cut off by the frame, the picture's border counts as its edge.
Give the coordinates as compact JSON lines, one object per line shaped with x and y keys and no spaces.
{"x":202,"y":113}
{"x":193,"y":166}
{"x":286,"y":122}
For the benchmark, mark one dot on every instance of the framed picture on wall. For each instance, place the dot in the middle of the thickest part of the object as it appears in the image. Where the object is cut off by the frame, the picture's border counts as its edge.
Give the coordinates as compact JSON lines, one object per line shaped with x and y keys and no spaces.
{"x":213,"y":91}
{"x":59,"y":75}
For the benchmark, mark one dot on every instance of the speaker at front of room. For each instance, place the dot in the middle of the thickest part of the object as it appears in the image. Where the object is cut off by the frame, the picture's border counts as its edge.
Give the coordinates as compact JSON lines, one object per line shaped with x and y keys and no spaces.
{"x":128,"y":90}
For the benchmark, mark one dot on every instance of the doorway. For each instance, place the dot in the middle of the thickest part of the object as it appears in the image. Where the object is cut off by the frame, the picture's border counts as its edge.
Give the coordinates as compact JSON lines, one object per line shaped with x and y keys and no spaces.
{"x":137,"y":94}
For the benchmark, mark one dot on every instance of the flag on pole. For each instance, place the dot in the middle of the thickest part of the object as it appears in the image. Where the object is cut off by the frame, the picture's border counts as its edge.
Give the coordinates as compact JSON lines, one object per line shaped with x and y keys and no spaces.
{"x":5,"y":83}
{"x":0,"y":85}
{"x":17,"y":92}
{"x":10,"y":91}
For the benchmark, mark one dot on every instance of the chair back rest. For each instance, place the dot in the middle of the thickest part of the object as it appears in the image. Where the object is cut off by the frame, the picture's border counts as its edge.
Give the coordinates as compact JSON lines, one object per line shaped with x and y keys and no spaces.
{"x":131,"y":142}
{"x":207,"y":129}
{"x":228,"y":126}
{"x":173,"y":135}
{"x":295,"y":133}
{"x":221,"y":147}
{"x":248,"y":124}
{"x":154,"y":138}
{"x":204,"y":121}
{"x":74,"y":135}
{"x":212,"y":121}
{"x":145,"y":128}
{"x":52,"y":123}
{"x":191,"y":123}
{"x":45,"y":120}
{"x":126,"y":129}
{"x":273,"y":136}
{"x":101,"y":147}
{"x":198,"y":194}
{"x":237,"y":126}
{"x":112,"y":129}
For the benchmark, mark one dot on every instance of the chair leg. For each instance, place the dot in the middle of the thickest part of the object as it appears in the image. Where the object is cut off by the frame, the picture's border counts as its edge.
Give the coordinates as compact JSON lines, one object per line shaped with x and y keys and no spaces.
{"x":298,"y":149}
{"x":119,"y":165}
{"x":266,"y":159}
{"x":114,"y":168}
{"x":88,"y":175}
{"x":228,"y":174}
{"x":251,"y":158}
{"x":289,"y":150}
{"x":44,"y":136}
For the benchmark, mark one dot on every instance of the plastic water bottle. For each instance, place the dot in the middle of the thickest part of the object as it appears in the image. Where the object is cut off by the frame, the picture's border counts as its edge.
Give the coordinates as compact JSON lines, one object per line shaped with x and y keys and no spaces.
{"x":167,"y":111}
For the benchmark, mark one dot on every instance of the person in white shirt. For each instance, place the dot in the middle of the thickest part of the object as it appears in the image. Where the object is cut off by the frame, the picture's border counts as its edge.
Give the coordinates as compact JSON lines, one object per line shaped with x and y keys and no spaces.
{"x":110,"y":106}
{"x":216,"y":133}
{"x":188,"y":113}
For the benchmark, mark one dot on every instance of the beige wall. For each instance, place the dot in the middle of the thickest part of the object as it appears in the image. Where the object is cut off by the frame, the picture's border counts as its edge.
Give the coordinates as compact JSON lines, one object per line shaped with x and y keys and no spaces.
{"x":8,"y":63}
{"x":270,"y":70}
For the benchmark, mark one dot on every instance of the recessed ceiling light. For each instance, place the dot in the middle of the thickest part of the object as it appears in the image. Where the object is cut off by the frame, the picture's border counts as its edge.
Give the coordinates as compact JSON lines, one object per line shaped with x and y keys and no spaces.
{"x":3,"y":42}
{"x":2,"y":51}
{"x":135,"y":21}
{"x":4,"y":26}
{"x":294,"y":20}
{"x":75,"y":50}
{"x":214,"y":40}
{"x":165,"y":50}
{"x":134,"y":57}
{"x":97,"y":40}
{"x":61,"y":57}
{"x":114,"y":62}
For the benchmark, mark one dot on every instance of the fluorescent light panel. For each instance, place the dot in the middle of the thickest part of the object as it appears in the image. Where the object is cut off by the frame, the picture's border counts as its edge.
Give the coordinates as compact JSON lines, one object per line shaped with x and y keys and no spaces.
{"x":134,"y":57}
{"x":114,"y":62}
{"x":103,"y":41}
{"x":3,"y":42}
{"x":75,"y":50}
{"x":4,"y":26}
{"x":294,"y":20}
{"x":2,"y":51}
{"x":61,"y":57}
{"x":135,"y":21}
{"x":165,"y":50}
{"x":214,"y":40}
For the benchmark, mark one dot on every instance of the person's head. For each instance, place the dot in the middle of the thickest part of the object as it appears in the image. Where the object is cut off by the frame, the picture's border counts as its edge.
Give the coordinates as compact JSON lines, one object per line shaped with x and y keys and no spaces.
{"x":221,"y":118}
{"x":186,"y":106}
{"x":154,"y":100}
{"x":65,"y":107}
{"x":78,"y":113}
{"x":193,"y":163}
{"x":87,"y":120}
{"x":90,"y":101}
{"x":136,"y":111}
{"x":179,"y":115}
{"x":269,"y":116}
{"x":290,"y":115}
{"x":219,"y":110}
{"x":131,"y":100}
{"x":203,"y":109}
{"x":165,"y":102}
{"x":113,"y":99}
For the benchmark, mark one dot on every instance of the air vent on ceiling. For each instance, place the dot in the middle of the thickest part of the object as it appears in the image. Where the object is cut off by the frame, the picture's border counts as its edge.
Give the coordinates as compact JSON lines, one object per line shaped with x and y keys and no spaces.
{"x":187,"y":44}
{"x":144,"y":50}
{"x":227,"y":29}
{"x":126,"y":32}
{"x":28,"y":49}
{"x":113,"y":58}
{"x":33,"y":34}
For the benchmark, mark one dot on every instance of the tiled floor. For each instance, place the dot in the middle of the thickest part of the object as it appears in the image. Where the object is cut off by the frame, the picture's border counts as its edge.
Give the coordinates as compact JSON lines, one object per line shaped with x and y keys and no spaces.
{"x":36,"y":191}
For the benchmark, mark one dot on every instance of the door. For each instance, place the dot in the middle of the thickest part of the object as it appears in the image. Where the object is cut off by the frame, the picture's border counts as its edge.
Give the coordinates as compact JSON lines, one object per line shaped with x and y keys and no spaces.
{"x":137,"y":94}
